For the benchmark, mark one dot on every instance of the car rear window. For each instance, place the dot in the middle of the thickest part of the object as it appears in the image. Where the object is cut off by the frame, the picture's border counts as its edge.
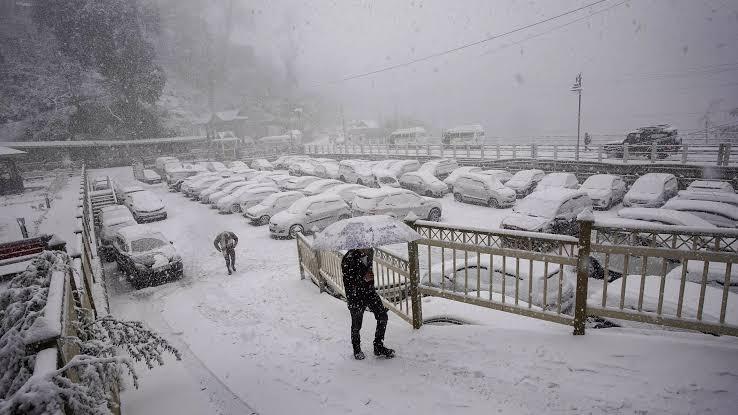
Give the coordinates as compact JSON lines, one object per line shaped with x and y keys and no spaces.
{"x":146,"y":244}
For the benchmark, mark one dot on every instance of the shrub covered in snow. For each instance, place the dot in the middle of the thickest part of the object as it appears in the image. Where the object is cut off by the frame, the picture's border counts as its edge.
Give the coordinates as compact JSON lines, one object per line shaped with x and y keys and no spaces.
{"x":29,"y":387}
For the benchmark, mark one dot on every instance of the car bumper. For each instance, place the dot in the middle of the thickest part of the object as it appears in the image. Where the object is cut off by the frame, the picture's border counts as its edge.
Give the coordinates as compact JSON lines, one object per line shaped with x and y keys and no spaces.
{"x":506,"y":203}
{"x":149,"y":216}
{"x":642,"y":203}
{"x":150,"y":275}
{"x":278,"y":230}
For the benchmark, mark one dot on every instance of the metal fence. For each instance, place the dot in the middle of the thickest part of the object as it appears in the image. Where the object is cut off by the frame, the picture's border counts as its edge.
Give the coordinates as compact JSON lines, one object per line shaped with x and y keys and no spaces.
{"x":690,"y":154}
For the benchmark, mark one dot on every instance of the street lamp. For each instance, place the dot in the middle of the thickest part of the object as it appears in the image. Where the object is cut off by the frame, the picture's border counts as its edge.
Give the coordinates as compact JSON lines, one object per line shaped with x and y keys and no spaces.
{"x":577,"y":87}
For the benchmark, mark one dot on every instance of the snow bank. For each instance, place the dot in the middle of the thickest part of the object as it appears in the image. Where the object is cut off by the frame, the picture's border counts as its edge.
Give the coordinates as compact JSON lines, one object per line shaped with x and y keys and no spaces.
{"x":46,"y":361}
{"x":48,"y":325}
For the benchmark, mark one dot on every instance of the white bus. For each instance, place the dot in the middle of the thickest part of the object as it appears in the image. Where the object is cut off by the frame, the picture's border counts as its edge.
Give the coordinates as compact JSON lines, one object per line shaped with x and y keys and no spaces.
{"x":292,"y":138}
{"x":414,"y":135}
{"x":462,"y":135}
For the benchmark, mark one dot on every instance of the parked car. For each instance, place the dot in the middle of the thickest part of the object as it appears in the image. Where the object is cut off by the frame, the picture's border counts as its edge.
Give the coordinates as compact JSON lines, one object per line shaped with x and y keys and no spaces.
{"x":423,"y":182}
{"x":386,"y":179}
{"x":254,"y":196}
{"x":283,"y":162}
{"x":483,"y":189}
{"x":651,"y":190}
{"x":716,"y":196}
{"x":558,"y":180}
{"x":356,"y":171}
{"x":108,"y":227}
{"x":189,"y":185}
{"x":524,"y":181}
{"x":262,"y":164}
{"x":320,"y":186}
{"x":348,"y":191}
{"x":204,"y":195}
{"x":397,"y":203}
{"x":122,"y":190}
{"x":261,"y":213}
{"x":451,"y":179}
{"x":114,"y":211}
{"x":298,"y":183}
{"x":722,"y":215}
{"x":605,"y":190}
{"x":193,"y":191}
{"x":302,"y":168}
{"x":175,"y":174}
{"x":550,"y":211}
{"x":145,"y":256}
{"x":664,"y":217}
{"x":710,"y":186}
{"x":232,"y":202}
{"x":400,"y":167}
{"x":145,"y":206}
{"x":214,"y":198}
{"x":641,"y":141}
{"x":150,"y":177}
{"x":308,"y":214}
{"x":215,"y":166}
{"x":441,"y":168}
{"x":327,"y":170}
{"x":238,"y":165}
{"x":502,"y":175}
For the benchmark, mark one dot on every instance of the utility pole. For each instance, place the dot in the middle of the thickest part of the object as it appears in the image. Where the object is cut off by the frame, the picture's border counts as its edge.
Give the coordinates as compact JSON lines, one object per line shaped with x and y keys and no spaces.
{"x":577,"y":87}
{"x":706,"y":136}
{"x":343,"y":126}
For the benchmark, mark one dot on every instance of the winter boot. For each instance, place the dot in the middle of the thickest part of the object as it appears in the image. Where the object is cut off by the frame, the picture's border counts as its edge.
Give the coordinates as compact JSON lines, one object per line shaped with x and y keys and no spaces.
{"x":358,"y":354}
{"x":381,"y":351}
{"x":229,"y":271}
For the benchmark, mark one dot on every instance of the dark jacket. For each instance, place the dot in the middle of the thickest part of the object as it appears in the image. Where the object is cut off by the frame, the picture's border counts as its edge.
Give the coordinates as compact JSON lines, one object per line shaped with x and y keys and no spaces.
{"x":358,"y":290}
{"x":221,"y":241}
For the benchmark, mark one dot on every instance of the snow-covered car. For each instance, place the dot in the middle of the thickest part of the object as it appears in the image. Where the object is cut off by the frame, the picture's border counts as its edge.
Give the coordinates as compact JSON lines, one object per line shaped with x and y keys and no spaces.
{"x":145,"y":256}
{"x":108,"y":228}
{"x":356,"y":171}
{"x":665,"y":217}
{"x":190,"y":180}
{"x":150,"y":177}
{"x":441,"y":168}
{"x":232,"y":202}
{"x":191,"y":183}
{"x":347,"y":191}
{"x":320,"y":186}
{"x":176,"y":176}
{"x":550,"y":211}
{"x":215,"y":166}
{"x":605,"y":190}
{"x":204,"y":195}
{"x":651,"y":190}
{"x":298,"y":183}
{"x":193,"y":191}
{"x":384,"y":178}
{"x":122,"y":190}
{"x":463,"y":279}
{"x":283,"y":162}
{"x":451,"y":179}
{"x":524,"y":181}
{"x":483,"y":189}
{"x":558,"y":180}
{"x":214,"y":198}
{"x":327,"y":169}
{"x":161,"y":162}
{"x":302,"y":168}
{"x":254,"y":196}
{"x":308,"y":214}
{"x":722,"y":215}
{"x":400,"y":167}
{"x":238,"y":164}
{"x":145,"y":206}
{"x":397,"y":203}
{"x":423,"y":182}
{"x":261,"y":213}
{"x":262,"y":164}
{"x":114,"y":211}
{"x":502,"y":175}
{"x":710,"y":186}
{"x":723,"y":197}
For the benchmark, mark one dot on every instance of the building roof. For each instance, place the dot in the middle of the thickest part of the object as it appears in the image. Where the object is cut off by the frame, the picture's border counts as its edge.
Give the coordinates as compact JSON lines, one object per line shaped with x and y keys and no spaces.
{"x":96,"y":143}
{"x":7,"y":152}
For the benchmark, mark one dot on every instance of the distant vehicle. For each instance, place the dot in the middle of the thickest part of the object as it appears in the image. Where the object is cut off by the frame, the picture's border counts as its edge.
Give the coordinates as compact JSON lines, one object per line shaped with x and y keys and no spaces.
{"x":651,"y":190}
{"x":238,"y":164}
{"x":232,"y":202}
{"x":403,"y":136}
{"x":284,"y":162}
{"x":400,"y":167}
{"x":145,"y":206}
{"x":664,"y":217}
{"x":524,"y":181}
{"x":302,"y":168}
{"x":327,"y":170}
{"x":320,"y":186}
{"x":298,"y":183}
{"x":441,"y":168}
{"x":193,"y":190}
{"x":549,"y":211}
{"x":641,"y":141}
{"x":215,"y":166}
{"x":356,"y":171}
{"x":458,"y":172}
{"x":471,"y":135}
{"x":309,"y":214}
{"x":502,"y":175}
{"x":710,"y":186}
{"x":605,"y":190}
{"x":254,"y":196}
{"x":187,"y":184}
{"x":150,"y":177}
{"x":483,"y":189}
{"x":424,"y":183}
{"x":558,"y":180}
{"x":145,"y":256}
{"x":262,"y":164}
{"x":261,"y":213}
{"x":214,"y":198}
{"x":175,"y":177}
{"x":204,"y":195}
{"x":348,"y":191}
{"x":397,"y":203}
{"x":722,"y":215}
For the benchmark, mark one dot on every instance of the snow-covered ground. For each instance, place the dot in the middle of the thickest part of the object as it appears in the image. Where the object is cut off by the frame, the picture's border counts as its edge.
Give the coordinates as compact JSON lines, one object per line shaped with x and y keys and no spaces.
{"x":263,"y":340}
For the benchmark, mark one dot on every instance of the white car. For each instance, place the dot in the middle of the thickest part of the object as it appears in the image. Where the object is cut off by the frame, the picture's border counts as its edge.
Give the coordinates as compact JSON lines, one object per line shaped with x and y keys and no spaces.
{"x":327,"y":169}
{"x":320,"y":186}
{"x":262,"y":164}
{"x":190,"y":188}
{"x":710,"y":186}
{"x":121,"y":190}
{"x":298,"y":183}
{"x":151,"y":177}
{"x":558,"y":180}
{"x":261,"y":213}
{"x":384,"y":178}
{"x":424,"y":183}
{"x":231,"y":203}
{"x":397,"y":203}
{"x":145,"y":256}
{"x":451,"y":179}
{"x":441,"y":168}
{"x":348,"y":191}
{"x":502,"y":175}
{"x":723,"y":197}
{"x":204,"y":194}
{"x":302,"y":168}
{"x":722,"y":215}
{"x":605,"y":190}
{"x":108,"y":228}
{"x":309,"y":214}
{"x":238,"y":165}
{"x":214,"y":198}
{"x":483,"y":189}
{"x":524,"y":181}
{"x":651,"y":190}
{"x":215,"y":166}
{"x":400,"y":167}
{"x":114,"y":211}
{"x":254,"y":196}
{"x":665,"y":217}
{"x":356,"y":171}
{"x":550,"y":211}
{"x":188,"y":182}
{"x":145,"y":206}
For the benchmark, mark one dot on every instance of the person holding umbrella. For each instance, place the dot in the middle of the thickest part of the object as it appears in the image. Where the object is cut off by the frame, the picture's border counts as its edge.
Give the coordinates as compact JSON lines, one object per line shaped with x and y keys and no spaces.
{"x":359,"y":236}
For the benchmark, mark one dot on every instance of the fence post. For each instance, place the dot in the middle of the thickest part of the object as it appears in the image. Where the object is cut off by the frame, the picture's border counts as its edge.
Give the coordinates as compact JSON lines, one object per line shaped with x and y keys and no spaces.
{"x":299,"y":258}
{"x":625,"y":153}
{"x":515,"y":151}
{"x":684,"y":153}
{"x":454,"y":150}
{"x":413,"y":270}
{"x":653,"y":153}
{"x":580,"y":305}
{"x":468,"y":154}
{"x":498,"y":151}
{"x":533,"y":151}
{"x":726,"y":154}
{"x":481,"y":152}
{"x":427,"y":147}
{"x":599,"y":153}
{"x":556,"y":151}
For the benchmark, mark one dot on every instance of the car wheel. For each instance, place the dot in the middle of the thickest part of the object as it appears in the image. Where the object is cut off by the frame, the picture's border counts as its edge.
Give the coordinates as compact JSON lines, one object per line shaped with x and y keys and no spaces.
{"x":342,"y":178}
{"x":429,"y":193}
{"x":264,"y":220}
{"x":359,"y":182}
{"x":457,"y":197}
{"x":492,"y":202}
{"x":295,"y":229}
{"x":236,"y":208}
{"x":343,"y":217}
{"x":434,"y":215}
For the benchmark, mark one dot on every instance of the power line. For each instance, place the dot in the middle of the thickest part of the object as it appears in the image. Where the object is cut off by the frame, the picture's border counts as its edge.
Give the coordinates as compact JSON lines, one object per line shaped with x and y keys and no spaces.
{"x":467,"y":45}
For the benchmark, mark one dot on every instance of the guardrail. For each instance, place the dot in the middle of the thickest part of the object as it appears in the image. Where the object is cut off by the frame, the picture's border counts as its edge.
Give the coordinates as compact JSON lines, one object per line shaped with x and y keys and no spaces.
{"x":688,"y":154}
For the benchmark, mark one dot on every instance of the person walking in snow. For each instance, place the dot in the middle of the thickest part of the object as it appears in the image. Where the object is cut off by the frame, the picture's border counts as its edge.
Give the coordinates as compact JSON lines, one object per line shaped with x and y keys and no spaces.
{"x":358,"y":281}
{"x":226,"y":242}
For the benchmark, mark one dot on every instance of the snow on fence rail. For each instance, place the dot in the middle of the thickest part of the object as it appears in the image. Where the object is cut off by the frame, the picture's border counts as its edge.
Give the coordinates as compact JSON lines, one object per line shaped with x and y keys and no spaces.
{"x":559,"y":278}
{"x":690,"y":154}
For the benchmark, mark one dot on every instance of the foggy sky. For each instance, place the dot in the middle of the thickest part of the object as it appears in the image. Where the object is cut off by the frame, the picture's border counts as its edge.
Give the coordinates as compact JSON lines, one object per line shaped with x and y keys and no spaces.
{"x":643,"y":62}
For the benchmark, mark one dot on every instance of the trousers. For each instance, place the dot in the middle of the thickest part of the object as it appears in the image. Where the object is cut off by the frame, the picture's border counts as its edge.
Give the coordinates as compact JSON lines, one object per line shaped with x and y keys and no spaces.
{"x":374,"y":303}
{"x":230,"y":258}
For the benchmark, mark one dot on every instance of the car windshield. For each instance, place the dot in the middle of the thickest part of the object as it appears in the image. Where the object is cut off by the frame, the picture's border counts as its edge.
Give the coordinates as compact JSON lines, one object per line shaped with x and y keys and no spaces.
{"x":597,"y":182}
{"x":146,"y":244}
{"x":299,"y":206}
{"x":387,"y":180}
{"x":270,"y":200}
{"x":363,"y":202}
{"x":648,"y":184}
{"x":522,"y":176}
{"x":535,"y":206}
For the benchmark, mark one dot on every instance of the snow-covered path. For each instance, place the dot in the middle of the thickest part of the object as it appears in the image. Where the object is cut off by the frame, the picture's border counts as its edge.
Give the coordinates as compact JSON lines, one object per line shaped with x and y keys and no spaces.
{"x":262,"y":339}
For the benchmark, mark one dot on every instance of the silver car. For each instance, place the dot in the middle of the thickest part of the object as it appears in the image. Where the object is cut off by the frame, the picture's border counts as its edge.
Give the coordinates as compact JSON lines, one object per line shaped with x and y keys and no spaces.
{"x":308,"y":214}
{"x":483,"y":189}
{"x":424,"y":183}
{"x":397,"y":203}
{"x":261,"y":213}
{"x":255,"y":196}
{"x":524,"y":181}
{"x":651,"y":190}
{"x":605,"y":190}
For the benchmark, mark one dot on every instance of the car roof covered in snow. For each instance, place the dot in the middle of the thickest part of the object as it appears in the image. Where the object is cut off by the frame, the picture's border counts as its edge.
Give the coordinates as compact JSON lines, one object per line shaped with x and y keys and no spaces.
{"x":423,"y":174}
{"x":320,"y":183}
{"x":555,"y":194}
{"x":711,"y":185}
{"x":134,"y":232}
{"x":719,"y":208}
{"x":716,"y":196}
{"x":371,"y":193}
{"x":323,"y":197}
{"x":661,"y":215}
